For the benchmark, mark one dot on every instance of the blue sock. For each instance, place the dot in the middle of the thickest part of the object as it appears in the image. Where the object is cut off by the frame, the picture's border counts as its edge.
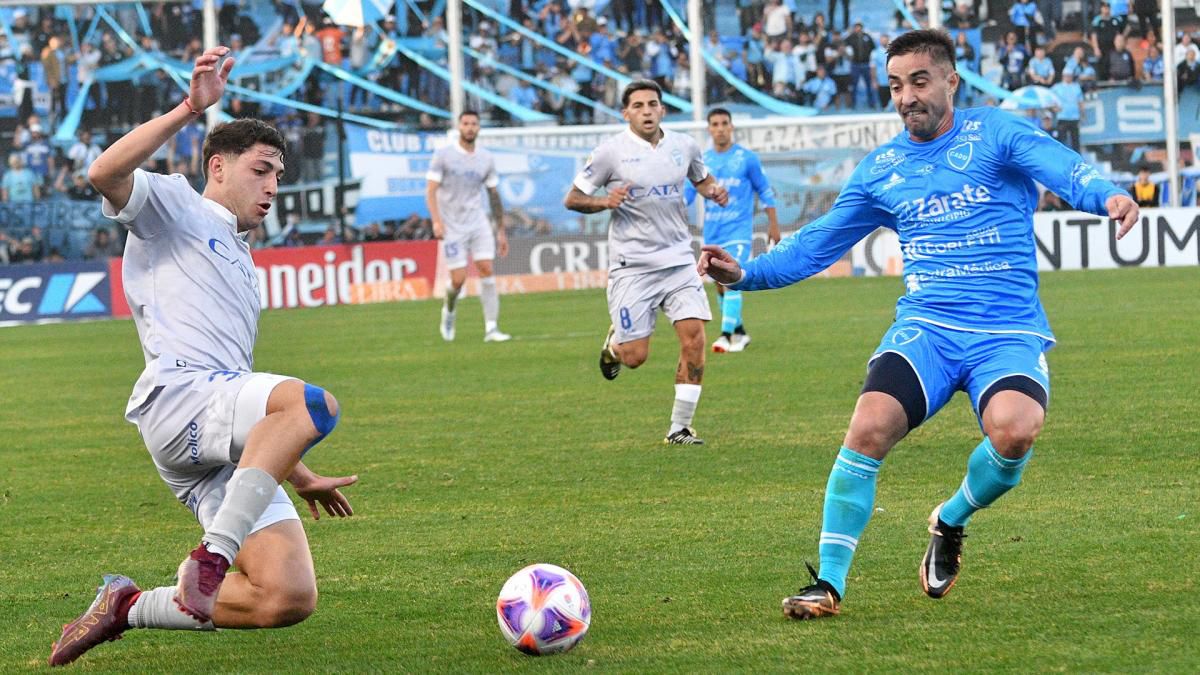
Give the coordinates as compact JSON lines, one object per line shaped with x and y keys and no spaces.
{"x":849,"y":499}
{"x":731,"y":311}
{"x":988,"y":477}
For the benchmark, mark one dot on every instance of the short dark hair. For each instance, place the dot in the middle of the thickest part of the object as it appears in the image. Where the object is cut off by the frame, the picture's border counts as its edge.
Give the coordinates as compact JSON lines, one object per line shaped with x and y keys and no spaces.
{"x":718,"y":111}
{"x":468,"y":113}
{"x":639,"y":85}
{"x":238,"y":136}
{"x":936,"y":43}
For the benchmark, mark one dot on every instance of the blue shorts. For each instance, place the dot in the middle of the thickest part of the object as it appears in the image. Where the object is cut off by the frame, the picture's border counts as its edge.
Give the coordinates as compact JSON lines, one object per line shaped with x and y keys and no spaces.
{"x":948,"y":360}
{"x":740,"y":250}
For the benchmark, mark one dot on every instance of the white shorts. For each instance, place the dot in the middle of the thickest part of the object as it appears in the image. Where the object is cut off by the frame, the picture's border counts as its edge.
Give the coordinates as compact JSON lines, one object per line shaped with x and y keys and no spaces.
{"x":195,"y":432}
{"x":479,"y":242}
{"x":634,"y":300}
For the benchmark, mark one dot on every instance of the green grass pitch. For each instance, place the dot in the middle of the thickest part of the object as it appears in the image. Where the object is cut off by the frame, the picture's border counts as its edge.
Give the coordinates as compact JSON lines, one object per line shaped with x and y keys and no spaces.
{"x":476,"y":459}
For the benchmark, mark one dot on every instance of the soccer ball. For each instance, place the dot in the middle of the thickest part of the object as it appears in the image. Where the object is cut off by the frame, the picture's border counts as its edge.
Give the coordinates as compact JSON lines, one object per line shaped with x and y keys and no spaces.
{"x":543,"y":609}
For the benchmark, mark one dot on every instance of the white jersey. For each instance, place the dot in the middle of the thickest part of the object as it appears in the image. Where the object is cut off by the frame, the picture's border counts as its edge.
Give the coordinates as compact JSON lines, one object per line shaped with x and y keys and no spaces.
{"x":461,"y":177}
{"x":189,"y":281}
{"x":649,"y":230}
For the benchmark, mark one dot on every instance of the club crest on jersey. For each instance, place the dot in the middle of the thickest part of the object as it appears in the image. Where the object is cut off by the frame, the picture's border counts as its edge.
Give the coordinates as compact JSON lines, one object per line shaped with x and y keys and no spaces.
{"x":677,"y":157}
{"x":959,"y":156}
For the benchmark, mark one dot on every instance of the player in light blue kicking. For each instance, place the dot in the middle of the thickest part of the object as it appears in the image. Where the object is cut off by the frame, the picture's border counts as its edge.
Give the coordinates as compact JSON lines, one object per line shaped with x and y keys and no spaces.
{"x":958,"y":188}
{"x":732,"y":226}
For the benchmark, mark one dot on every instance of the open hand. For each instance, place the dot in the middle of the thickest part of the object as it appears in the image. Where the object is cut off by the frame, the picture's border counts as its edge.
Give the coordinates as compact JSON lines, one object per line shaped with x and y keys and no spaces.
{"x":209,"y":77}
{"x":325,"y":490}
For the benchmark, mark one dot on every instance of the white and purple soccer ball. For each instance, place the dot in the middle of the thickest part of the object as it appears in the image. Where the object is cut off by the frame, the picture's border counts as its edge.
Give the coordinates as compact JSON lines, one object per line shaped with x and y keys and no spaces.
{"x":543,"y":609}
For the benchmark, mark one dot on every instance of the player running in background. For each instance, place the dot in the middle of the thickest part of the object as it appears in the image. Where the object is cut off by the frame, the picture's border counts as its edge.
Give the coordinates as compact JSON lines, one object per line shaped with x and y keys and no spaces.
{"x":651,"y":264}
{"x":454,"y":186}
{"x":222,"y":436}
{"x":732,"y":227}
{"x":958,"y":188}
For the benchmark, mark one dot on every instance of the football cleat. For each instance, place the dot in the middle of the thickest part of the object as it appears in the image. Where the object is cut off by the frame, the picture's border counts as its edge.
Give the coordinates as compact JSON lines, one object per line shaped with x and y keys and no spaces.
{"x":939,"y":567}
{"x":200,"y":577}
{"x":738,"y":342}
{"x":722,"y":344}
{"x":496,"y":335}
{"x":813,"y":601}
{"x":102,"y":622}
{"x":610,"y":365}
{"x":447,"y":325}
{"x":685,"y":436}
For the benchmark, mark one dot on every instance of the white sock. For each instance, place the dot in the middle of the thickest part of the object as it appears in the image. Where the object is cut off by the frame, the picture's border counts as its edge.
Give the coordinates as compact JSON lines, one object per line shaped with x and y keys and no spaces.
{"x":491,"y":302}
{"x":156,"y":608}
{"x":247,"y":494}
{"x":687,"y":396}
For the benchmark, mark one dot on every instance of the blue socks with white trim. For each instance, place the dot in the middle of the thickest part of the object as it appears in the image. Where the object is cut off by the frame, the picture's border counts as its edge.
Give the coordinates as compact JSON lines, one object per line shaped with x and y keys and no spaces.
{"x":849,"y":500}
{"x":989,"y":475}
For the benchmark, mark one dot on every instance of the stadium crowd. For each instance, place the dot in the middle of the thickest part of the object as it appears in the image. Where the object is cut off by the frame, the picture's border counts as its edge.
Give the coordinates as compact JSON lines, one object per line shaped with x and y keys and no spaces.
{"x":816,"y":58}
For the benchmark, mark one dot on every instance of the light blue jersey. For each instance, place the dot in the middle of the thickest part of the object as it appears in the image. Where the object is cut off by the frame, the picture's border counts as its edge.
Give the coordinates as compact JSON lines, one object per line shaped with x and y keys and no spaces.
{"x":962,"y":205}
{"x":740,"y":172}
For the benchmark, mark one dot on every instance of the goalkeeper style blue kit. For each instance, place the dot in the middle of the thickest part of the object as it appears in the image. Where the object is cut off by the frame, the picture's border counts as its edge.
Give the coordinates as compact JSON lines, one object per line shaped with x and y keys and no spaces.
{"x":732,"y":227}
{"x":962,"y":205}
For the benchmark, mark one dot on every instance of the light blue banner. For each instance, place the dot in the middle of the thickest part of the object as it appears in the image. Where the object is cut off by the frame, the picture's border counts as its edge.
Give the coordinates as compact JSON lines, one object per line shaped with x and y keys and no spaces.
{"x":382,"y":92}
{"x":541,"y":84}
{"x":519,"y":112}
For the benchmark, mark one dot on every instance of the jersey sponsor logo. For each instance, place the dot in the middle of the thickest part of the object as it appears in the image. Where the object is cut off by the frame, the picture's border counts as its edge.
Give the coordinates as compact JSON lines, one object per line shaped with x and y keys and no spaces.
{"x":955,"y":271}
{"x":941,"y":208}
{"x":968,"y":137}
{"x":972,"y":125}
{"x":62,"y":294}
{"x":654,"y":191}
{"x":892,"y":182}
{"x":193,"y":442}
{"x":905,"y":336}
{"x":886,"y":161}
{"x":924,"y":247}
{"x":959,"y":156}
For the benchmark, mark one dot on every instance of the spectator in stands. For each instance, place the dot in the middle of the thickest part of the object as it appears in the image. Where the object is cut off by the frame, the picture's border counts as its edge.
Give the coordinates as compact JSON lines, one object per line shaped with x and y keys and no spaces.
{"x":1148,"y":16}
{"x":681,"y":84}
{"x":819,"y":90}
{"x":1081,"y":69}
{"x":1118,"y":62}
{"x":80,"y":189}
{"x":38,"y":155}
{"x":963,"y":17}
{"x":186,"y":146}
{"x":102,"y":245}
{"x":1153,"y":67}
{"x":42,"y":34}
{"x":837,"y":63}
{"x":1188,"y":72}
{"x":23,"y":252}
{"x":118,"y":94}
{"x":34,"y":244}
{"x":54,"y":256}
{"x":756,"y":73}
{"x":19,"y":183}
{"x":372,"y":233}
{"x":5,"y":248}
{"x":312,"y":149}
{"x":776,"y":21}
{"x":1070,"y":112}
{"x":1012,"y":57}
{"x":1105,"y":27}
{"x":84,"y":151}
{"x":87,"y":60}
{"x":919,"y":11}
{"x":329,"y":237}
{"x":879,"y":66}
{"x":523,"y":94}
{"x":964,"y":58}
{"x":54,"y":73}
{"x":332,"y":37}
{"x":1145,"y":193}
{"x":1185,"y":45}
{"x":860,"y":45}
{"x":23,"y":84}
{"x":1040,"y":69}
{"x":1026,"y":21}
{"x":631,"y":54}
{"x":21,"y":31}
{"x":804,"y":58}
{"x":293,"y":238}
{"x":661,"y":55}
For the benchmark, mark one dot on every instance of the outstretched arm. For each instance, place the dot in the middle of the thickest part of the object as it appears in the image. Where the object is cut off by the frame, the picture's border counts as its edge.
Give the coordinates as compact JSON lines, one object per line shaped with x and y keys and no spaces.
{"x":112,"y":172}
